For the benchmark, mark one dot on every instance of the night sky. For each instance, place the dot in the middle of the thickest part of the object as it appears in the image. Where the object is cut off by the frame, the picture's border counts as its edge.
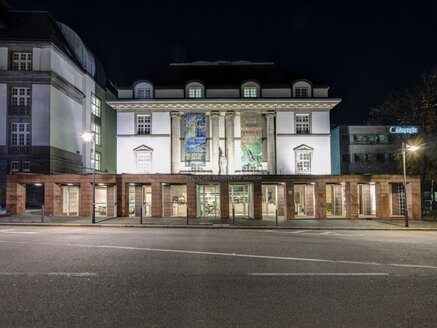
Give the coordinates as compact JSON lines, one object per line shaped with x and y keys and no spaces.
{"x":362,"y":49}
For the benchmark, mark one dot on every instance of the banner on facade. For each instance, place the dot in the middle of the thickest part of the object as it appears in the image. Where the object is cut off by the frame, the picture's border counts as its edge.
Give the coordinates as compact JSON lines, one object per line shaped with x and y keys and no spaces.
{"x":195,"y":137}
{"x":251,"y":140}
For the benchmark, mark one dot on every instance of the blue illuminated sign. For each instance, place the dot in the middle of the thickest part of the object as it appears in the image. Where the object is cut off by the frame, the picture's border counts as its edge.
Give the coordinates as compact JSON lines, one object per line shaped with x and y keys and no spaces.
{"x":404,"y":129}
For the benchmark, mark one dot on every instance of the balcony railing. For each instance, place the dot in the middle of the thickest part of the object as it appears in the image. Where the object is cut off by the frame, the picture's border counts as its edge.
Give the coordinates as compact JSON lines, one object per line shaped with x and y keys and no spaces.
{"x":19,"y":150}
{"x":19,"y":110}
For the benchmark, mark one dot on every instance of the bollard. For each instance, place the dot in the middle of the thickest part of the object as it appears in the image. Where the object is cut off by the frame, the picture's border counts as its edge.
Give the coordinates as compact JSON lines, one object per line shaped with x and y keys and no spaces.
{"x":188,"y":220}
{"x":233,"y":215}
{"x":42,"y":213}
{"x":141,"y":215}
{"x":276,"y":217}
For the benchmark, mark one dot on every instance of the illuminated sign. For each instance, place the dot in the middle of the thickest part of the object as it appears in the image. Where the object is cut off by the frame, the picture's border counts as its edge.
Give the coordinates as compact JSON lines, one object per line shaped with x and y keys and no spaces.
{"x":404,"y":129}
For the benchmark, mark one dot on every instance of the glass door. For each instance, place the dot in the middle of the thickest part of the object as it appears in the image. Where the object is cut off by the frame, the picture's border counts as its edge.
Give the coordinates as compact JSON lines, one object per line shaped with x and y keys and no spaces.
{"x":270,"y":200}
{"x":70,"y":203}
{"x":208,"y":201}
{"x":240,"y":199}
{"x":147,"y":201}
{"x":101,"y":200}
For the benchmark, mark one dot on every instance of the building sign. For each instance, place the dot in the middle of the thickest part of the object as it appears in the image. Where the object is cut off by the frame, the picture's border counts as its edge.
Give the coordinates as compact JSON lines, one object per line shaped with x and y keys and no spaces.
{"x":218,"y":178}
{"x":404,"y":129}
{"x":195,"y":138}
{"x":251,"y":140}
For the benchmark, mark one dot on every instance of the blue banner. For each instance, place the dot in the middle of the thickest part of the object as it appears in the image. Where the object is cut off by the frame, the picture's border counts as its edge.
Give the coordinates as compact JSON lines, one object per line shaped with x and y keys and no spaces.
{"x":195,"y":137}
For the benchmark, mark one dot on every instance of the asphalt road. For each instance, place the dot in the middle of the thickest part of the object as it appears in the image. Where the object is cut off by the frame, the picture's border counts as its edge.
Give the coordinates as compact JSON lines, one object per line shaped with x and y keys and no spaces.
{"x":126,"y":277}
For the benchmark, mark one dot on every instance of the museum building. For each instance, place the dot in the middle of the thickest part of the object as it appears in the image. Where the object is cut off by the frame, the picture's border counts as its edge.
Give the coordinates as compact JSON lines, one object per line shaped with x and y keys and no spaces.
{"x":222,"y":139}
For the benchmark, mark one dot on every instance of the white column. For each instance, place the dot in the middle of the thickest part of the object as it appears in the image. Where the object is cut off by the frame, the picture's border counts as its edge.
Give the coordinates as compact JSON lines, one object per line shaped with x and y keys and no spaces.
{"x":215,"y":153}
{"x":230,"y":142}
{"x":271,"y":158}
{"x":175,"y":142}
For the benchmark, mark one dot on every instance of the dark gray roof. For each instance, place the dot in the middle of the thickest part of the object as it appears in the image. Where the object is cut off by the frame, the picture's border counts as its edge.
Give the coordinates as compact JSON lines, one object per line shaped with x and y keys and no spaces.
{"x":40,"y":26}
{"x":223,"y":74}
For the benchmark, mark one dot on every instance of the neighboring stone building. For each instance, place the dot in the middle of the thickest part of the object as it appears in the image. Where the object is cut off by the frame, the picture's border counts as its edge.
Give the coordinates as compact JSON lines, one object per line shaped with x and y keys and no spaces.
{"x":52,"y":90}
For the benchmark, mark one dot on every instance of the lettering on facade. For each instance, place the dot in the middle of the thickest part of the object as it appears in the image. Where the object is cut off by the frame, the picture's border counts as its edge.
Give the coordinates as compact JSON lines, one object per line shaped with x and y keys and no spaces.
{"x":218,"y":178}
{"x":404,"y":129}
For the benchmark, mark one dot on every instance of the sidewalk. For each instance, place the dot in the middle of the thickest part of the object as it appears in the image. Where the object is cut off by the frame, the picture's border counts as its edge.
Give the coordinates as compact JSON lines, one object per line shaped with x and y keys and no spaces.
{"x":310,"y":224}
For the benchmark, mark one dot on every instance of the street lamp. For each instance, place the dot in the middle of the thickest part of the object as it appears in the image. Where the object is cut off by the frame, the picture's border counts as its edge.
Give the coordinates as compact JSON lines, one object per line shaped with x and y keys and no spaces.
{"x":90,"y":136}
{"x":406,"y":148}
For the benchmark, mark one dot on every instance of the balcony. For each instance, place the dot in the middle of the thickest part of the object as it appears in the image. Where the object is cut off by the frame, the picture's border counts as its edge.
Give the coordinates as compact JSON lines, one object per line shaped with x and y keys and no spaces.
{"x":19,"y":110}
{"x":19,"y":150}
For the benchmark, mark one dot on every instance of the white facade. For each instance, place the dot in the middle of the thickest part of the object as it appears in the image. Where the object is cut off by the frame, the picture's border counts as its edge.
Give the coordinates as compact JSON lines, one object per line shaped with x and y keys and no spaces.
{"x":294,"y":127}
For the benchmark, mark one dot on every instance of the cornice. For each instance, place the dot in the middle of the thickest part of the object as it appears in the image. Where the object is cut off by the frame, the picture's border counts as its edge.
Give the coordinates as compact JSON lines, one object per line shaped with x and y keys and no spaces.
{"x":313,"y":104}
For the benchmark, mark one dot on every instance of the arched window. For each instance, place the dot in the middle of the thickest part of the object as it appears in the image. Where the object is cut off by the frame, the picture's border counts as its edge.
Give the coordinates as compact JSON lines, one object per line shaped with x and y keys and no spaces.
{"x":302,"y":89}
{"x":250,"y":89}
{"x":194,"y":90}
{"x":143,"y":90}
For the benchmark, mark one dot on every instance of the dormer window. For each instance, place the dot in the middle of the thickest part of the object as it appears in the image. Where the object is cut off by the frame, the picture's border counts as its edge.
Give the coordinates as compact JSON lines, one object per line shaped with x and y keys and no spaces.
{"x":301,"y":92}
{"x":250,"y":89}
{"x":302,"y":89}
{"x":249,"y":92}
{"x":195,"y":92}
{"x":143,"y":90}
{"x":144,"y":93}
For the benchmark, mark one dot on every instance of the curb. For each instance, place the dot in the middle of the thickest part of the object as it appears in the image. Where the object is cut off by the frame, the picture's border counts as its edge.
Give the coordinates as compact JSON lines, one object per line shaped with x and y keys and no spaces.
{"x":207,"y":226}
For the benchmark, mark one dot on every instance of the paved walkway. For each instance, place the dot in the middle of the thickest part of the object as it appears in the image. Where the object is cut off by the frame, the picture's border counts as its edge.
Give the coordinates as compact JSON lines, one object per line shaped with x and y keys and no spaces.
{"x":330,"y":224}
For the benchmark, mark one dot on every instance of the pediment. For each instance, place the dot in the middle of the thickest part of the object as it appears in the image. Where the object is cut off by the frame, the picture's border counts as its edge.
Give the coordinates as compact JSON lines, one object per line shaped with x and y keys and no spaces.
{"x":303,"y":147}
{"x":143,"y":148}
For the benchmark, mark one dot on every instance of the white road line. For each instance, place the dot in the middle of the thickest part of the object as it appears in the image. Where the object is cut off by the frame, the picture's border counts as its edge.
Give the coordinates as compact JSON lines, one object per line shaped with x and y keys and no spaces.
{"x":298,"y":274}
{"x":264,"y":257}
{"x":9,"y":231}
{"x":63,"y":274}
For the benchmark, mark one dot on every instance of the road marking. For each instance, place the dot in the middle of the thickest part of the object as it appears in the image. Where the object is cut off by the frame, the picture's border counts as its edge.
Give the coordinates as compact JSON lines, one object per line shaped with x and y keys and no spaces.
{"x":18,"y":232}
{"x":298,"y":274}
{"x":62,"y":274}
{"x":264,"y":257}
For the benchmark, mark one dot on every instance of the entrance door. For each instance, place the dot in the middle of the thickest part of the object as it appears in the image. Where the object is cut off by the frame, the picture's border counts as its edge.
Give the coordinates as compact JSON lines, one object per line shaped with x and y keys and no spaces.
{"x":270,"y":200}
{"x":70,"y":200}
{"x":147,"y":201}
{"x":304,"y":200}
{"x":208,"y":200}
{"x":240,"y":199}
{"x":101,"y":200}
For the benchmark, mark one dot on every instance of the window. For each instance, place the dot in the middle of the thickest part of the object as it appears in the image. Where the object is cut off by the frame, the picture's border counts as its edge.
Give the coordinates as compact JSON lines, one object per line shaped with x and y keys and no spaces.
{"x":20,"y":96}
{"x":249,"y":92}
{"x":380,"y":158}
{"x":144,"y":161}
{"x":21,"y":61}
{"x":97,"y":130}
{"x":301,"y":92}
{"x":20,"y":134}
{"x":302,"y":123}
{"x":144,"y":93}
{"x":195,"y":92}
{"x":15,"y":166}
{"x":358,"y":158}
{"x":96,"y":106}
{"x":97,"y":161}
{"x":303,"y":162}
{"x":26,"y":166}
{"x":346,"y":158}
{"x":357,"y":138}
{"x":143,"y":124}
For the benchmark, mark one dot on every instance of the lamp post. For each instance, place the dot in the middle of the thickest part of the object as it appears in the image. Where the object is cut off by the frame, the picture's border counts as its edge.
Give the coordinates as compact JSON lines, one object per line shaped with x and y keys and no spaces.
{"x":406,"y":148}
{"x":91,"y":137}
